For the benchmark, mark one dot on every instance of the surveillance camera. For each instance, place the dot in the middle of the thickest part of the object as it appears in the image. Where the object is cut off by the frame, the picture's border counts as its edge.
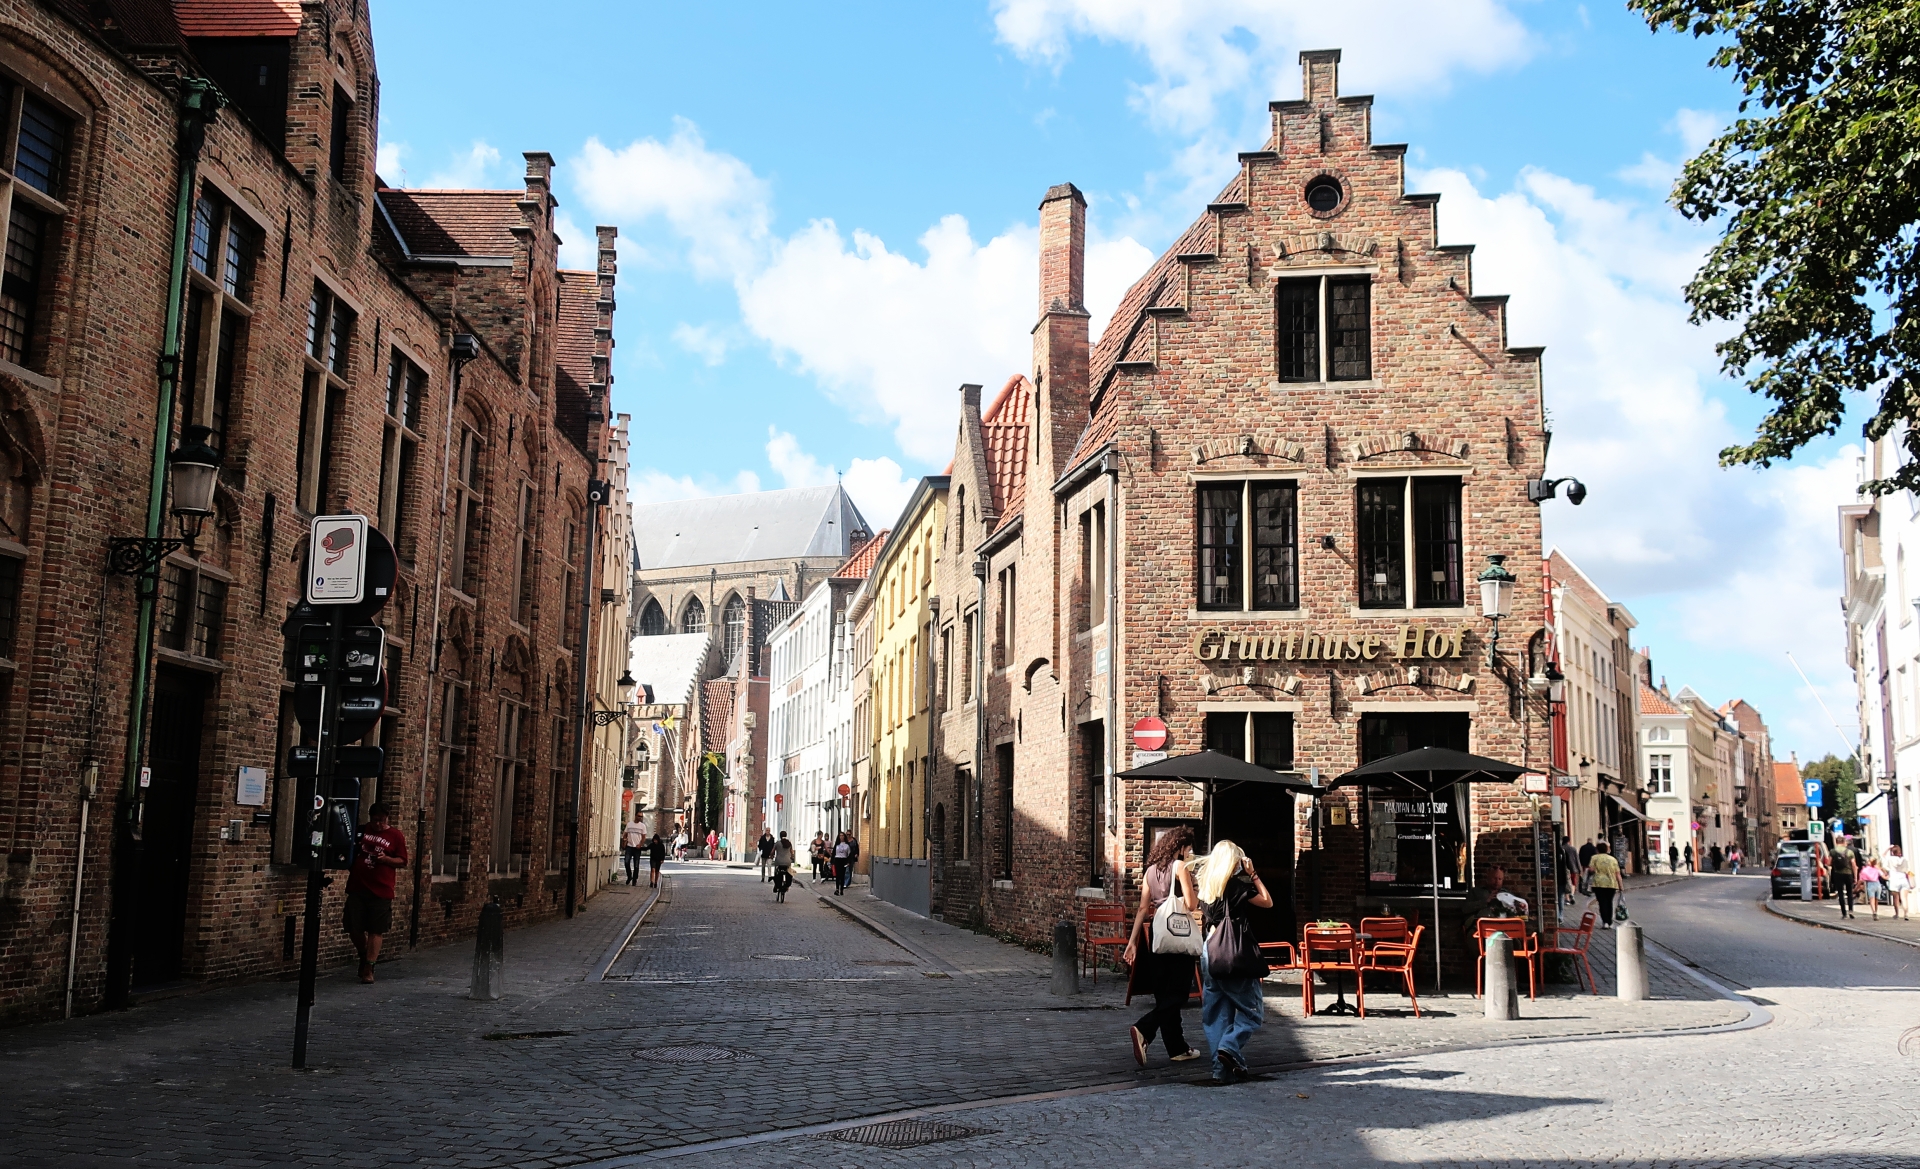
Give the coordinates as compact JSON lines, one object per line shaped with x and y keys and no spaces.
{"x":1576,"y":492}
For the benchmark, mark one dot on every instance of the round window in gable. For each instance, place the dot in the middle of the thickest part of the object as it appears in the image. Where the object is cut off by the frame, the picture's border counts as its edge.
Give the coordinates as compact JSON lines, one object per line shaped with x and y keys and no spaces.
{"x":1323,"y":195}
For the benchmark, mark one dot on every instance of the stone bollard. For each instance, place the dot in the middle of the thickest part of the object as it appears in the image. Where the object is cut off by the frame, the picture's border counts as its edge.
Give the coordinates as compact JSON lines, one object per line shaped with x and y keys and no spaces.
{"x":1503,"y":998}
{"x":1630,"y":962}
{"x":1066,"y":959}
{"x":489,"y":954}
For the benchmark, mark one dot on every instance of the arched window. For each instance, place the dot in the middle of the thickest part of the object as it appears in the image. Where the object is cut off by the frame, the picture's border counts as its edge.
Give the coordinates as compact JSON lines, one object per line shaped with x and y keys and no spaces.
{"x":693,"y":619}
{"x":734,"y":621}
{"x":653,"y":621}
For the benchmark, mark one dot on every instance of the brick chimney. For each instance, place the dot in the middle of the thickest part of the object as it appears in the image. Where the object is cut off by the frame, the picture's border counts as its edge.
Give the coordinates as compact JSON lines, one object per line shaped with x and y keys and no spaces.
{"x":1060,"y":338}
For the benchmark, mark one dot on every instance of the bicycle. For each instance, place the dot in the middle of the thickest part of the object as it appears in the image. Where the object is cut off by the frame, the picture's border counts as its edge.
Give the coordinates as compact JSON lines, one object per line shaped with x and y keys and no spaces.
{"x":782,"y":881}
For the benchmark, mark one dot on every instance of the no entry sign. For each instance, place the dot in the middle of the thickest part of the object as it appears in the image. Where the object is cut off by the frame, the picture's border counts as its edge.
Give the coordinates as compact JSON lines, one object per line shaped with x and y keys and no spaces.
{"x":1149,"y":734}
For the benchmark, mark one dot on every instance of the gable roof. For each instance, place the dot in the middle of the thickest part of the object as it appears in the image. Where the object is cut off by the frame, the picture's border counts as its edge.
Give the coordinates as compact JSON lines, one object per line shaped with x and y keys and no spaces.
{"x":1787,"y":787}
{"x":237,"y":18}
{"x":1655,"y":703}
{"x":861,"y":563}
{"x":763,"y":525}
{"x":670,"y":663}
{"x":573,"y":346}
{"x":454,"y":223}
{"x":1006,"y":431}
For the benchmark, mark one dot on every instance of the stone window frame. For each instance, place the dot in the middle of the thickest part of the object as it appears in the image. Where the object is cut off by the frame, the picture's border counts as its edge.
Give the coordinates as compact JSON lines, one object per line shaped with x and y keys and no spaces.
{"x":213,"y":366}
{"x":1660,"y":773}
{"x":1323,"y":280}
{"x":1411,"y":601}
{"x":401,"y":442}
{"x":451,"y":862}
{"x":520,"y":581}
{"x":1244,"y":534}
{"x":51,"y":206}
{"x":469,"y":506}
{"x":504,"y":859}
{"x":1091,"y":611}
{"x":201,"y":640}
{"x":326,"y":381}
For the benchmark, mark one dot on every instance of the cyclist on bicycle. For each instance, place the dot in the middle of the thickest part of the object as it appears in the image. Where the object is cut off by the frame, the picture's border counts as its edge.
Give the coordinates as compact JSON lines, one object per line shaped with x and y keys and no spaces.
{"x":782,"y":867}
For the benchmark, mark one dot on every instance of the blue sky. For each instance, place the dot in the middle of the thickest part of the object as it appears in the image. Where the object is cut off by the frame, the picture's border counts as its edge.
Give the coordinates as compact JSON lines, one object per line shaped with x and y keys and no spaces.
{"x":827,"y":217}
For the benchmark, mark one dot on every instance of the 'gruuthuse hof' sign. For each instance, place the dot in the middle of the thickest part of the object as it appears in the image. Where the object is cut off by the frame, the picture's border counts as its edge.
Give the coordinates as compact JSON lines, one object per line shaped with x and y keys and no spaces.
{"x":1214,"y":644}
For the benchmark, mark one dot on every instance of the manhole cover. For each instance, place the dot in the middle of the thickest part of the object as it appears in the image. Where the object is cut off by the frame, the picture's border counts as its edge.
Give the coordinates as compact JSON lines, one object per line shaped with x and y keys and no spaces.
{"x":781,"y":957}
{"x":906,"y":1134}
{"x":881,"y":962}
{"x":695,"y":1053}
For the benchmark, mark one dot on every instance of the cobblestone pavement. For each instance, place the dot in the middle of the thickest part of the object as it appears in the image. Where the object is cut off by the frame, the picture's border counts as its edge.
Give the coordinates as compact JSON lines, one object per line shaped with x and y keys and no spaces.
{"x":1827,"y":1082}
{"x":792,"y":1016}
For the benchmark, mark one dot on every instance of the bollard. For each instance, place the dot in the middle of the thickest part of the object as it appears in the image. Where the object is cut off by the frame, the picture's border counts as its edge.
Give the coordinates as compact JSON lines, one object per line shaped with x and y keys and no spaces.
{"x":1630,"y":962}
{"x":489,"y":954}
{"x":1502,"y":996}
{"x":1066,"y":959}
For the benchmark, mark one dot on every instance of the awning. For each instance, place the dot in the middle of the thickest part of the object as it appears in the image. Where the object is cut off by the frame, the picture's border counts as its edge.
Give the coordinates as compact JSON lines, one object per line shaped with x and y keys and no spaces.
{"x":1211,"y":767}
{"x":1629,"y":809}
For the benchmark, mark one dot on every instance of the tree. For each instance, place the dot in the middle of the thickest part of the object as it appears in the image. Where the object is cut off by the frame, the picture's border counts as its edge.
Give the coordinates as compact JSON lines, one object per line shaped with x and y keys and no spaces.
{"x":1819,"y":262}
{"x":1839,"y":787}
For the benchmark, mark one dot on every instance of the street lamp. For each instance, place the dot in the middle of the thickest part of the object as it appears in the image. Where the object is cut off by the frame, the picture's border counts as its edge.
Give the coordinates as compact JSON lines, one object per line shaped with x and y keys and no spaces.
{"x":1496,"y":598}
{"x":604,"y":718}
{"x":193,"y":472}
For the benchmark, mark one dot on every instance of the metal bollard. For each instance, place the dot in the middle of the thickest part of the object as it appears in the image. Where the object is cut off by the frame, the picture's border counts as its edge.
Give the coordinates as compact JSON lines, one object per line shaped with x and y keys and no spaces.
{"x":1066,"y":959}
{"x":489,"y":954}
{"x":1503,"y":999}
{"x":1630,"y":962}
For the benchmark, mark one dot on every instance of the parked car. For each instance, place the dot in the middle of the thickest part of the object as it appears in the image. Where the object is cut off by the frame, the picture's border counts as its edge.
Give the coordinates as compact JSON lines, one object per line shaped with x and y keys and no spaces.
{"x":1785,"y":878}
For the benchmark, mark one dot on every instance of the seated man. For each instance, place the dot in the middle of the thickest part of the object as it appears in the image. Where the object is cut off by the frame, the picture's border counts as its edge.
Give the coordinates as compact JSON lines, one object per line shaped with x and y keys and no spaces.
{"x":1493,"y":900}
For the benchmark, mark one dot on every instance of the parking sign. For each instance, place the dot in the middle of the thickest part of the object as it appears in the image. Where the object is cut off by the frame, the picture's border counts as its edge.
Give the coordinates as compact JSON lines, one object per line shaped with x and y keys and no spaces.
{"x":1813,"y":793}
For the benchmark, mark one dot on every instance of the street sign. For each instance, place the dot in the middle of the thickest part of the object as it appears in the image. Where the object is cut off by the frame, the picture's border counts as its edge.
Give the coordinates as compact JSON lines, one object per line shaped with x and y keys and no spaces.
{"x":1142,"y":758}
{"x":845,"y":790}
{"x":337,"y":560}
{"x":358,"y":762}
{"x":363,"y":654}
{"x":1149,"y":734}
{"x":1814,"y":797}
{"x":1535,"y":783}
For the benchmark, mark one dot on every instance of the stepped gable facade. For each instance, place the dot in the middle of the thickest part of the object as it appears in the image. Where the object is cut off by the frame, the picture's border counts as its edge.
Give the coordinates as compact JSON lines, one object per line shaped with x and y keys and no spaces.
{"x":1255,"y":510}
{"x":316,"y":343}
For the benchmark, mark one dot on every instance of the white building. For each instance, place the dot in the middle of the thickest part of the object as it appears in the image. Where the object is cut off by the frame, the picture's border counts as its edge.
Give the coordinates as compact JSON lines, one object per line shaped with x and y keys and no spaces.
{"x":810,"y":712}
{"x":1883,"y":647}
{"x":1596,"y":728}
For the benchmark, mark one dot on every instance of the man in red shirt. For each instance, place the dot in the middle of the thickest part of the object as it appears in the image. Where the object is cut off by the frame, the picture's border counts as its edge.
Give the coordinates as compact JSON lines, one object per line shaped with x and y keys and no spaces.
{"x":369,"y":910}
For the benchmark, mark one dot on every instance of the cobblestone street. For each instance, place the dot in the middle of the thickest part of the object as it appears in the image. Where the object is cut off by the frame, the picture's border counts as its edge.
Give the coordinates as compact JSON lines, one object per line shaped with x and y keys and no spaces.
{"x":728,"y":1019}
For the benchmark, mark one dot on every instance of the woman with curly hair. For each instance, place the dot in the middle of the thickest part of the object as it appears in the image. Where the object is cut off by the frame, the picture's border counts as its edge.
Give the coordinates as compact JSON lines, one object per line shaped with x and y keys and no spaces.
{"x":1167,"y":977}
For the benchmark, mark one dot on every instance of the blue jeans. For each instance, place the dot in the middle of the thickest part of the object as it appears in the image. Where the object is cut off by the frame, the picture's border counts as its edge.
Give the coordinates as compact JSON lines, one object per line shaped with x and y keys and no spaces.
{"x":1231,"y":1010}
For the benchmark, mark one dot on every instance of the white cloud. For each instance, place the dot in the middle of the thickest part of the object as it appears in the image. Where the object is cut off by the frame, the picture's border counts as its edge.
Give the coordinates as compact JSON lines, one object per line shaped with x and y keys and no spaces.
{"x":713,"y":201}
{"x":1204,"y":51}
{"x":579,"y":249}
{"x":879,"y":487}
{"x":473,"y":169}
{"x":706,"y":342}
{"x":652,"y":485}
{"x":388,"y":164}
{"x":1696,"y":128}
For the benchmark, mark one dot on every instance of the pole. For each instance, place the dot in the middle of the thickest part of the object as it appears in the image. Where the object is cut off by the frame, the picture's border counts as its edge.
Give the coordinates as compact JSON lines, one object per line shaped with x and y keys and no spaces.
{"x":1433,"y":850}
{"x":587,"y":587}
{"x":1314,"y":836}
{"x":320,"y":812}
{"x":200,"y":101}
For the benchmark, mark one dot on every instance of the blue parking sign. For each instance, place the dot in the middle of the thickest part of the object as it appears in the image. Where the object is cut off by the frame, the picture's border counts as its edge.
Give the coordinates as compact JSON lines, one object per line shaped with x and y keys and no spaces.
{"x":1813,"y":793}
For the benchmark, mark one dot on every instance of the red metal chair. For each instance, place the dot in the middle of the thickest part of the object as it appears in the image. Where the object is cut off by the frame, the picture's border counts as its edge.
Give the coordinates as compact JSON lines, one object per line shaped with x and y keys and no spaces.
{"x":1383,"y":930}
{"x":1525,"y":946}
{"x":1394,"y":958}
{"x":1574,"y":943}
{"x":1107,"y":924}
{"x":1317,"y":941}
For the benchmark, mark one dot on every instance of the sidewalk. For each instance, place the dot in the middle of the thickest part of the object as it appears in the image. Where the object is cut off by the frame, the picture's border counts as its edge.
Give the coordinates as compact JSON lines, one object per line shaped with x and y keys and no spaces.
{"x":1827,"y":914}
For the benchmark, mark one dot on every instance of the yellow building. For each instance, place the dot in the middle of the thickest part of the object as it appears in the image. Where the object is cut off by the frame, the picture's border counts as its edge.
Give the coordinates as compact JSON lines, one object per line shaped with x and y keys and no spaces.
{"x":899,"y":594}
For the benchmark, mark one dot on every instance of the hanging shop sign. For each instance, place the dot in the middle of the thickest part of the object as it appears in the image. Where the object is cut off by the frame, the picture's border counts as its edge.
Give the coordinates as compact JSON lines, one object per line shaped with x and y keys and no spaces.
{"x":1215,"y":644}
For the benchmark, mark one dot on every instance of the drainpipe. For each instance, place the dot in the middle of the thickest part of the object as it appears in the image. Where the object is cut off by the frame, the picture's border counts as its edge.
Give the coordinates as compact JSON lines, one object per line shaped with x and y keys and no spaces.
{"x":1110,"y":465}
{"x":200,"y":103}
{"x":589,"y":585}
{"x":980,"y":736}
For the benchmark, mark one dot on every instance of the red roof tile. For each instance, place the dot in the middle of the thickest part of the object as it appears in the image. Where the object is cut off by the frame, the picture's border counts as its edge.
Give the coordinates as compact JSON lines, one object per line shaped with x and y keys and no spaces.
{"x":1006,"y":430}
{"x":1653,"y":702}
{"x":237,"y":18}
{"x":455,"y":223}
{"x":1787,"y":787}
{"x":573,"y":349}
{"x":861,"y":562}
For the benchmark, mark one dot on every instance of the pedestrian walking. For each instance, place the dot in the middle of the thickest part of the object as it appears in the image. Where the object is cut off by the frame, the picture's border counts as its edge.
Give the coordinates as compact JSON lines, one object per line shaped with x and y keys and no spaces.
{"x":1231,"y":1006}
{"x":656,"y":856}
{"x":842,"y":862}
{"x":1167,"y":977}
{"x":1899,"y":881}
{"x":1733,"y":859}
{"x":1673,"y":858}
{"x":368,"y":912}
{"x":1604,"y":873}
{"x":632,"y":839}
{"x":819,"y":850}
{"x":1689,"y":856}
{"x":766,"y":854}
{"x":1873,"y":883}
{"x":1843,"y":869}
{"x":1570,"y":865}
{"x":1714,"y":857}
{"x":713,"y":845}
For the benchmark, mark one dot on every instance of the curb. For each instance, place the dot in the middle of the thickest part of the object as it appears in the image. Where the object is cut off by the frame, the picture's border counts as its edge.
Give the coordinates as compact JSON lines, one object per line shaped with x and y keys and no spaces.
{"x":888,"y":934}
{"x":612,"y":953}
{"x":1832,"y":925}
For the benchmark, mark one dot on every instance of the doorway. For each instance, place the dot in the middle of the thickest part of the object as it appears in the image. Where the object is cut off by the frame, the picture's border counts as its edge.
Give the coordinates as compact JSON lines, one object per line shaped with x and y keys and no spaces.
{"x":1259,"y":818}
{"x":167,"y":825}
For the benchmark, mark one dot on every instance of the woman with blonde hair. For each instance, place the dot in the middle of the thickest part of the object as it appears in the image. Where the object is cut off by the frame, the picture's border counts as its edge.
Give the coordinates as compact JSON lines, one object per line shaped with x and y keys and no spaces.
{"x":1231,"y":966}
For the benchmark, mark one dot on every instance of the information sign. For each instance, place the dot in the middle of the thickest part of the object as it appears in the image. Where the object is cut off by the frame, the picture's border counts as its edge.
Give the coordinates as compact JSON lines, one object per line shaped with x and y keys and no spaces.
{"x":337,"y":560}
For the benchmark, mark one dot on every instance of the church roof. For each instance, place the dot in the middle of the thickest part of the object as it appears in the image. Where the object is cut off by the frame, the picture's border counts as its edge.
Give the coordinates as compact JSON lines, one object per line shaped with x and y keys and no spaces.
{"x":670,"y":663}
{"x":764,"y":525}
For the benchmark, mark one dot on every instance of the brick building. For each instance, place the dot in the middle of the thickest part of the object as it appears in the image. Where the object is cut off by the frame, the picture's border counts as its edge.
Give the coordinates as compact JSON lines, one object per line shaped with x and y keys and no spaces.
{"x":317,"y":344}
{"x":1255,"y":509}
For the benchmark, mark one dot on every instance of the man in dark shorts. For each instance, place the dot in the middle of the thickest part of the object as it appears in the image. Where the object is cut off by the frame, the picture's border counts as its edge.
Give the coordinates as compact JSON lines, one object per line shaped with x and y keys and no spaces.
{"x":369,"y":909}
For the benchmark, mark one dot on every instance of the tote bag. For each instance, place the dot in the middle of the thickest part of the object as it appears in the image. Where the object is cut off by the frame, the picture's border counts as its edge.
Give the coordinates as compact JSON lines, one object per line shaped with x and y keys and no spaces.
{"x":1232,"y":951}
{"x":1174,"y":930}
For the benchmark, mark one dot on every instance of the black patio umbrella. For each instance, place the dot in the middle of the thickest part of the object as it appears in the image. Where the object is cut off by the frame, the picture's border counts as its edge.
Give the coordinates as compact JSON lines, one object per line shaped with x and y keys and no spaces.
{"x":1214,"y":769}
{"x":1429,"y":769}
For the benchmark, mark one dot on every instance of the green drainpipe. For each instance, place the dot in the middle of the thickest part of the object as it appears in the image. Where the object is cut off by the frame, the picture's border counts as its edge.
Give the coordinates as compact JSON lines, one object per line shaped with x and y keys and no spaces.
{"x":200,"y":102}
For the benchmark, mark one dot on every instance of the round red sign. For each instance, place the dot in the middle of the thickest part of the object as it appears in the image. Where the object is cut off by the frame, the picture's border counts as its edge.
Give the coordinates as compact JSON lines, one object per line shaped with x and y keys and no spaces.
{"x":845,"y":790}
{"x":778,"y":799}
{"x":1149,"y":734}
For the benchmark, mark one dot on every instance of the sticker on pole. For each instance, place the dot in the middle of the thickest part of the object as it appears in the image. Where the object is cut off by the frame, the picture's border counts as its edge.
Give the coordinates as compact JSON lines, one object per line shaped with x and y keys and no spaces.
{"x":337,"y":560}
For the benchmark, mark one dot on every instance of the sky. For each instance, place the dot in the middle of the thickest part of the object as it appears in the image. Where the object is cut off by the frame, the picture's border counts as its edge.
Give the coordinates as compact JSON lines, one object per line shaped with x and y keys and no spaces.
{"x":828,"y":222}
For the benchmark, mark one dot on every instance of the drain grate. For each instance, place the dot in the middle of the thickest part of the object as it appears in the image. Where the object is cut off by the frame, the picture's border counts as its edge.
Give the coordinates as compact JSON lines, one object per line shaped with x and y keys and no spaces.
{"x":695,"y":1053}
{"x":497,"y":1035}
{"x":781,"y":957}
{"x":881,"y":962}
{"x":907,"y":1134}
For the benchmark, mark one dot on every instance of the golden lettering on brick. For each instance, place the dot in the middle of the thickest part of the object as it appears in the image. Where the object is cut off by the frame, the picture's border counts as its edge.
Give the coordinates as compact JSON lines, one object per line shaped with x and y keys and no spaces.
{"x":1212,"y":643}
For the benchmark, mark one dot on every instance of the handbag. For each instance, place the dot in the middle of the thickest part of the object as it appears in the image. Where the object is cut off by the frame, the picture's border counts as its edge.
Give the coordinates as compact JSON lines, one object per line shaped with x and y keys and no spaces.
{"x":1174,"y":930}
{"x":1232,"y":952}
